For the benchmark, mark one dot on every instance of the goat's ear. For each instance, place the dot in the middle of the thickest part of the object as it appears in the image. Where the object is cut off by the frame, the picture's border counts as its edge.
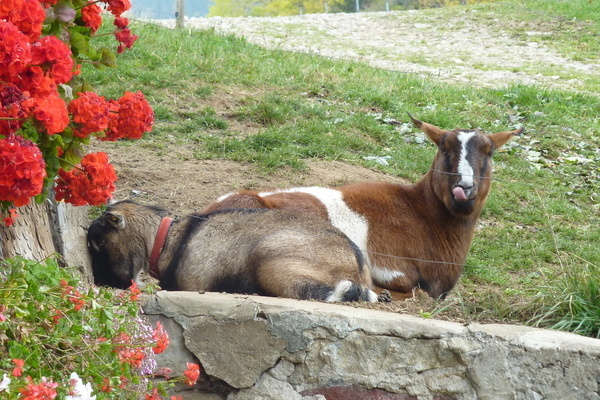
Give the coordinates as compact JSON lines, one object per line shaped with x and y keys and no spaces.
{"x":434,"y":133}
{"x":500,"y":138}
{"x":114,"y":219}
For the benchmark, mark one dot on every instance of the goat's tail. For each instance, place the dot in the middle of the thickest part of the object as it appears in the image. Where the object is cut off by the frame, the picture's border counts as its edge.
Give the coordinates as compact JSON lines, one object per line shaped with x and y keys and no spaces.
{"x":350,"y":291}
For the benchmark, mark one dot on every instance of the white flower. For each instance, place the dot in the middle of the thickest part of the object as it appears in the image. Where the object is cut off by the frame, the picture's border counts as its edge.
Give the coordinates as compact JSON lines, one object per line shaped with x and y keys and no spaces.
{"x":4,"y":383}
{"x":79,"y":391}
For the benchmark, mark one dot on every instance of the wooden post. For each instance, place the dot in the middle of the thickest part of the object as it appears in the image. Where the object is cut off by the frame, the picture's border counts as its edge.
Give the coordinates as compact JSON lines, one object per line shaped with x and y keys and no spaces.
{"x":387,"y":5}
{"x":179,"y":14}
{"x":326,"y":8}
{"x":41,"y":230}
{"x":357,"y":5}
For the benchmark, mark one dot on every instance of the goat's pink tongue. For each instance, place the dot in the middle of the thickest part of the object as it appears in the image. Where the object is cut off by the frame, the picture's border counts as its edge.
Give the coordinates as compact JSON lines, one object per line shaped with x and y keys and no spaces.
{"x":459,"y":194}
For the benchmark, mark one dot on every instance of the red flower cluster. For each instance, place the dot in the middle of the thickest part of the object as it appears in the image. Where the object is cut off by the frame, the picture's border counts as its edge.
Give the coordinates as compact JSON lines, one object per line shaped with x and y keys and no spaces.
{"x":72,"y":294}
{"x":12,"y":112}
{"x":117,"y":7}
{"x":18,"y":369}
{"x":126,"y":352}
{"x":90,"y":183}
{"x":50,"y":112}
{"x":134,"y":292}
{"x":8,"y":221}
{"x":123,"y":34}
{"x":89,"y":113}
{"x":54,"y":56}
{"x":45,"y":390}
{"x":192,"y":374}
{"x":15,"y":52}
{"x":26,"y":15}
{"x":131,"y":117}
{"x":90,"y":14}
{"x":161,"y":338}
{"x":32,"y":67}
{"x":49,"y":3}
{"x":22,"y":171}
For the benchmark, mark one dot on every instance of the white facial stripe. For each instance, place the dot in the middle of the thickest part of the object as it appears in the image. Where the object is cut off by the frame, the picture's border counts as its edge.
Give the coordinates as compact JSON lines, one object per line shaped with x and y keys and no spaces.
{"x":464,"y":167}
{"x":354,"y":225}
{"x":382,"y":276}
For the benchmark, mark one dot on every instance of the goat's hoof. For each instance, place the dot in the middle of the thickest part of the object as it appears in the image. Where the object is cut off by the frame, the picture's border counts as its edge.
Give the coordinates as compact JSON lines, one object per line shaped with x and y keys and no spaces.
{"x":385,"y":296}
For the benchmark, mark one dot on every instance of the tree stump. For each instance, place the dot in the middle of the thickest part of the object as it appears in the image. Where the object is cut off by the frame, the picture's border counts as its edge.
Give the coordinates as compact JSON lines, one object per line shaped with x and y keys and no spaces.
{"x":43,"y":230}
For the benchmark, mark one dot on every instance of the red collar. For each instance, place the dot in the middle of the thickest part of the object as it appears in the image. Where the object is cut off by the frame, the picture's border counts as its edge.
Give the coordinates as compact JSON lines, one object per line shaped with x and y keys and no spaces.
{"x":159,"y":243}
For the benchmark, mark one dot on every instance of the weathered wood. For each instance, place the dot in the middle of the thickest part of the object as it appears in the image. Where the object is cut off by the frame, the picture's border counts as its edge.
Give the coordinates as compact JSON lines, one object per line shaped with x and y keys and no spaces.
{"x":41,"y":230}
{"x":179,"y":14}
{"x":30,"y":235}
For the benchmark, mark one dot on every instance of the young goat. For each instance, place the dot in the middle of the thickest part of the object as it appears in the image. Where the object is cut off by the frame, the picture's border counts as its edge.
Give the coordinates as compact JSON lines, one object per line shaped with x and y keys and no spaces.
{"x":269,"y":252}
{"x":411,"y":235}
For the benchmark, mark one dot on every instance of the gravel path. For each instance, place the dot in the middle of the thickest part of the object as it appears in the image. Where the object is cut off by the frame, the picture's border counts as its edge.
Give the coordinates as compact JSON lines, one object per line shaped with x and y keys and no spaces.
{"x":465,"y":47}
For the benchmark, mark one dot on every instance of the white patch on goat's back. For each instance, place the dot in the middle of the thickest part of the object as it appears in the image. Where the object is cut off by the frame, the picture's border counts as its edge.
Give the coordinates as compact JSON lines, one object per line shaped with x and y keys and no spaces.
{"x":354,"y":225}
{"x":382,"y":276}
{"x":465,"y":170}
{"x":224,"y":197}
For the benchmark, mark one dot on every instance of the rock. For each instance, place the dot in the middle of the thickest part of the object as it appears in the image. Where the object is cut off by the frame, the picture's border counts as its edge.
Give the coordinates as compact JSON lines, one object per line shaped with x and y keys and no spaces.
{"x":236,"y":352}
{"x":288,"y":349}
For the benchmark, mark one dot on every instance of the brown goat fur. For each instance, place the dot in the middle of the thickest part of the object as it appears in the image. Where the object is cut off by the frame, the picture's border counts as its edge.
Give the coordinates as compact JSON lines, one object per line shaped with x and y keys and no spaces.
{"x":268,"y":252}
{"x":413,"y":236}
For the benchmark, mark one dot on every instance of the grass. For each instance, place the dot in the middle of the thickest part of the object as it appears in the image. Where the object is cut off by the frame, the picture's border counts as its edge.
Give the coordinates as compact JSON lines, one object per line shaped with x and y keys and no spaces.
{"x":535,"y":257}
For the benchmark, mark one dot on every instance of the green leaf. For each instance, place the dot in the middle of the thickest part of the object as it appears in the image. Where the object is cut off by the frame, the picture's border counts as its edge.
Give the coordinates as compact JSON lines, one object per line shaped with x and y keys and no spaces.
{"x":108,"y":58}
{"x":79,"y":43}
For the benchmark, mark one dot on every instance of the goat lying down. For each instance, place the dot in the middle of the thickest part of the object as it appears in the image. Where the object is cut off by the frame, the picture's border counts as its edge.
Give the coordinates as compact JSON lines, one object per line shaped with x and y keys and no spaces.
{"x":268,"y":252}
{"x":412,"y":236}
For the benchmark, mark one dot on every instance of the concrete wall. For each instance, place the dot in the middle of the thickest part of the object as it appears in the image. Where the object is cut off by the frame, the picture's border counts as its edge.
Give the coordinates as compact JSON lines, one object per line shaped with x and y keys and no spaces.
{"x":254,"y":347}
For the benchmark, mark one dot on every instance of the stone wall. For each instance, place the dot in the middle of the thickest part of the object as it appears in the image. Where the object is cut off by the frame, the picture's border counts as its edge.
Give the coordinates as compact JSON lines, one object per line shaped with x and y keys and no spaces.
{"x":255,"y":347}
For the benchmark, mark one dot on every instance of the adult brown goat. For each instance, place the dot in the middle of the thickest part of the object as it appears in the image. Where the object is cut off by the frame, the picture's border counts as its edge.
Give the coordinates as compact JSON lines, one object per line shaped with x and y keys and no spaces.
{"x":413,"y":236}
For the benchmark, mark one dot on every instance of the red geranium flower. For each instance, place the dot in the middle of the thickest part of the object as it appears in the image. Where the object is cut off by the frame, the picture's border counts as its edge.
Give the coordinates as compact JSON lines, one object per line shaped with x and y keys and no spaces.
{"x":154,"y":395}
{"x":131,"y":117}
{"x":18,"y":369}
{"x":118,"y":7}
{"x":8,"y":221}
{"x":126,"y":39}
{"x":12,"y":114}
{"x":49,"y":3}
{"x":45,"y":390}
{"x":192,"y":374}
{"x":90,"y":14}
{"x":54,"y":56}
{"x":15,"y":51}
{"x":89,"y":113}
{"x":34,"y":82}
{"x":50,"y":111}
{"x":91,"y":183}
{"x":121,"y":22}
{"x":161,"y":337}
{"x":22,"y":170}
{"x":27,"y":15}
